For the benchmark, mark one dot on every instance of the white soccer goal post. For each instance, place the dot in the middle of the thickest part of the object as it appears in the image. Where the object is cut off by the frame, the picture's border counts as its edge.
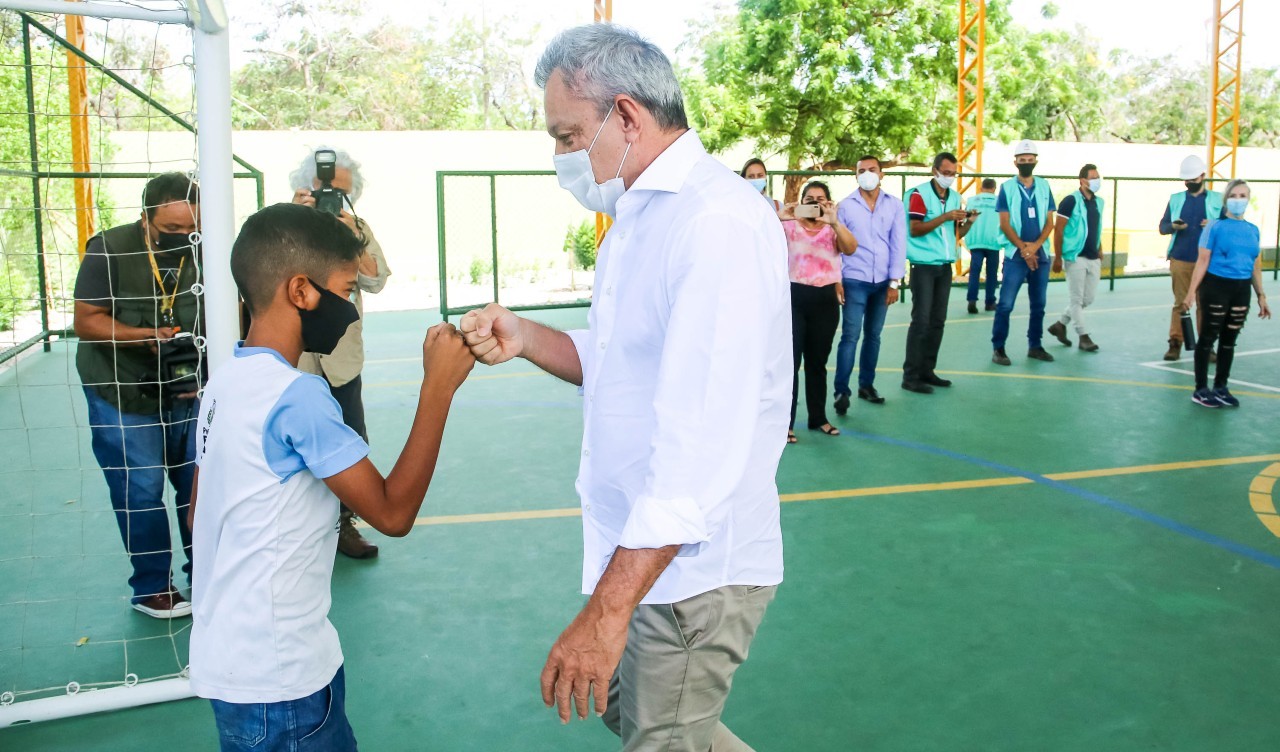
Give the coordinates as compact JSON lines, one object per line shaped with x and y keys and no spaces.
{"x":40,"y":533}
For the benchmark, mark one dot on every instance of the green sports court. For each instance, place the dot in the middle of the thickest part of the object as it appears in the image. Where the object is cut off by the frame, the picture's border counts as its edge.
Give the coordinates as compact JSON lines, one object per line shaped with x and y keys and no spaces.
{"x":1052,"y":557}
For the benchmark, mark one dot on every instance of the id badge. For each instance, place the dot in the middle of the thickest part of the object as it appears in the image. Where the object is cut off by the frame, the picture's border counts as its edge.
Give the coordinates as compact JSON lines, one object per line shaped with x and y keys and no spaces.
{"x":1031,"y":212}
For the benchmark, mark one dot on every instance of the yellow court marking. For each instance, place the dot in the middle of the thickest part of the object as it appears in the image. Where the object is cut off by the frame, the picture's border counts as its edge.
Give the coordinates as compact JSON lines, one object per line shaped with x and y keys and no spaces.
{"x":955,"y":485}
{"x":1260,"y":497}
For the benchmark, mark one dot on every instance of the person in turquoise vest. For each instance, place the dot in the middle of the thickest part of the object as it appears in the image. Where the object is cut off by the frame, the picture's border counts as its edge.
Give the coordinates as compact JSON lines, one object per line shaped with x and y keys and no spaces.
{"x":1185,"y":217}
{"x":936,"y":220}
{"x":1230,"y":263}
{"x":138,"y":314}
{"x":1077,"y":245}
{"x":986,"y":244}
{"x":1026,"y":209}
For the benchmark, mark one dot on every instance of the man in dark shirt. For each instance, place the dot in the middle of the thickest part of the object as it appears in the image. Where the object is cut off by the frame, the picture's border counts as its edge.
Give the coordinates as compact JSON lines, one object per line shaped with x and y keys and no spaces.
{"x":1184,"y":218}
{"x":1077,"y":244}
{"x":137,"y":290}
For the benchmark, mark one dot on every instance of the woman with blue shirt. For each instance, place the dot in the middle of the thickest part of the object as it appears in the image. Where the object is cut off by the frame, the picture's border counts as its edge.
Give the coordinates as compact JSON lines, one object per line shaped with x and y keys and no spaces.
{"x":1230,"y":260}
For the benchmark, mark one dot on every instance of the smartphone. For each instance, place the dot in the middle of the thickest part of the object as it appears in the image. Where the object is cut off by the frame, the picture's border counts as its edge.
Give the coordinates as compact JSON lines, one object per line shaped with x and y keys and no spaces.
{"x":808,"y":211}
{"x":973,"y":213}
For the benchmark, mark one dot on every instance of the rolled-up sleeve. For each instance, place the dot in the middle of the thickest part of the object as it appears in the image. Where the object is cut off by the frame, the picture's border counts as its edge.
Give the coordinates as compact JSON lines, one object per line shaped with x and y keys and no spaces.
{"x":898,"y":243}
{"x":374,"y":248}
{"x":581,"y":339}
{"x":728,"y":286}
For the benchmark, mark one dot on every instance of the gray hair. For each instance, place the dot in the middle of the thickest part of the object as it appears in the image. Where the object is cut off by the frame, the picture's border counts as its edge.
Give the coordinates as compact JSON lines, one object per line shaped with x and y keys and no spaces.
{"x":304,"y":176}
{"x":600,"y":61}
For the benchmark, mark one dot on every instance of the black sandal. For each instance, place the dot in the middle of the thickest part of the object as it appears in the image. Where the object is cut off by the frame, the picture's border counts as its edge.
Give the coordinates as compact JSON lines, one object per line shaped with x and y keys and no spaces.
{"x":830,"y":430}
{"x":791,"y":438}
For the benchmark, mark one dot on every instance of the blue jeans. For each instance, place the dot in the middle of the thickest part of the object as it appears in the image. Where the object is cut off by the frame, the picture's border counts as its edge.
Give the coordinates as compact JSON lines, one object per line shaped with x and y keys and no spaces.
{"x":1016,"y":272}
{"x":864,"y":310}
{"x":976,"y":258}
{"x":317,"y":722}
{"x":135,"y":453}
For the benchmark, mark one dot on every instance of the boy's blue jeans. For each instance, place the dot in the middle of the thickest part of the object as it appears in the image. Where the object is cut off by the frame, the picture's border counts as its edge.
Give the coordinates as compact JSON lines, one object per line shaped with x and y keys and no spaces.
{"x":135,"y":453}
{"x":316,"y":723}
{"x":865,"y":308}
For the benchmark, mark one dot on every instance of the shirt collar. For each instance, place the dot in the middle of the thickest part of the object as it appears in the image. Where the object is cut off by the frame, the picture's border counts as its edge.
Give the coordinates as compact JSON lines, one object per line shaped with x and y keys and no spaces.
{"x":668,"y":172}
{"x":244,"y":352}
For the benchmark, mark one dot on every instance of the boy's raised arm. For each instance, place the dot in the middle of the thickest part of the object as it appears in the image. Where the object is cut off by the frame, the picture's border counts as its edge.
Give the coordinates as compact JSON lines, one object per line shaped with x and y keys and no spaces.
{"x":391,"y":505}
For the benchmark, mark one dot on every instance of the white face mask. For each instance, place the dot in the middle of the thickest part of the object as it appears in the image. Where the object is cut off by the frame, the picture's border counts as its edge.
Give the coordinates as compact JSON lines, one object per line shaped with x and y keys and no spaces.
{"x":945,"y":181}
{"x":1095,"y":185}
{"x":574,"y":172}
{"x":868,"y":181}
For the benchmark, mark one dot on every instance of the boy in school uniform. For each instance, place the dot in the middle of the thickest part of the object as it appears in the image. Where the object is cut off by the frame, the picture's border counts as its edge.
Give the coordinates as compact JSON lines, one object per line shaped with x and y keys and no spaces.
{"x":273,"y":461}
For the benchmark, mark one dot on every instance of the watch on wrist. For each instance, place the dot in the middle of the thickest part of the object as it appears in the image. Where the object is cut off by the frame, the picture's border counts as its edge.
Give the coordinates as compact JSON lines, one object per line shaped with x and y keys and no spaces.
{"x":894,"y":284}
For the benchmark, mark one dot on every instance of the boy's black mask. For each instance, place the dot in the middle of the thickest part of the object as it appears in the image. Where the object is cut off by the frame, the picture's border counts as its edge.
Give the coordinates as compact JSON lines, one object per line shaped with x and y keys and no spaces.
{"x":326,"y":324}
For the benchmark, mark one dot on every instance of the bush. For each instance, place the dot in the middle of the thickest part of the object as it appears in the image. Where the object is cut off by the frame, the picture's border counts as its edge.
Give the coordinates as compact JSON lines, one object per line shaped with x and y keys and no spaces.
{"x":581,"y":242}
{"x":480,"y":268}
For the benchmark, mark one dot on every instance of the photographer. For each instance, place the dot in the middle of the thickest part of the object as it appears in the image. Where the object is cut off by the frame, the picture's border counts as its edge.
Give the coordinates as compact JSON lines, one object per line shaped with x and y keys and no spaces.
{"x":137,"y":313}
{"x":330,"y":180}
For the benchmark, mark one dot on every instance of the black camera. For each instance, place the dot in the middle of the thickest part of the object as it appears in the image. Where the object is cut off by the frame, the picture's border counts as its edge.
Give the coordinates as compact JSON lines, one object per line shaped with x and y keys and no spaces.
{"x":181,"y":369}
{"x":329,"y":200}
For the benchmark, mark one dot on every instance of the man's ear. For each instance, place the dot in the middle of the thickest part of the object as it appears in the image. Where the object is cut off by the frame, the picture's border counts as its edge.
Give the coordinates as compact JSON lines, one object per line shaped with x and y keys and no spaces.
{"x":300,"y":293}
{"x":632,"y":116}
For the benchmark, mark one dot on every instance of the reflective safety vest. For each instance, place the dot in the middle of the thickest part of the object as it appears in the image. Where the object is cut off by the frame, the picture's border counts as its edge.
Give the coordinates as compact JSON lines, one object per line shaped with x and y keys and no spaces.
{"x":1212,"y":211}
{"x":1076,"y":232}
{"x":938,"y":246}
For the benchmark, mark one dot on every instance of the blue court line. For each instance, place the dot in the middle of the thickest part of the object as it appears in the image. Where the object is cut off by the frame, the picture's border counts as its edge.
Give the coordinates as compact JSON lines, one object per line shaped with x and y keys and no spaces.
{"x":1105,"y":501}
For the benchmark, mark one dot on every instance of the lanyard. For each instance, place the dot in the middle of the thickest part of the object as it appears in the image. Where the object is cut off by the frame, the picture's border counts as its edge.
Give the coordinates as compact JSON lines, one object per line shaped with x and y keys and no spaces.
{"x":167,"y":299}
{"x":1028,"y":195}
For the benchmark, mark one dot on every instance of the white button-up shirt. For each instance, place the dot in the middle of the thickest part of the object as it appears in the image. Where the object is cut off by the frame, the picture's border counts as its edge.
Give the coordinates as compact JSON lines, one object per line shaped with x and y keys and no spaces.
{"x":687,"y":377}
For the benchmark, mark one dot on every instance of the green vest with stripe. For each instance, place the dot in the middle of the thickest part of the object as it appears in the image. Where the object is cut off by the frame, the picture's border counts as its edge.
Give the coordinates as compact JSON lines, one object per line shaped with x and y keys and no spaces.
{"x":1076,"y":232}
{"x":939,"y":246}
{"x":125,"y":375}
{"x":1212,"y":210}
{"x":1014,"y":197}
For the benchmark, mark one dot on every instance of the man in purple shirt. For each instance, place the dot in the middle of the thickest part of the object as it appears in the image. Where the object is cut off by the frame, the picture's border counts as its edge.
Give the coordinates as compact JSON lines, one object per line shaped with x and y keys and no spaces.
{"x":871,"y":279}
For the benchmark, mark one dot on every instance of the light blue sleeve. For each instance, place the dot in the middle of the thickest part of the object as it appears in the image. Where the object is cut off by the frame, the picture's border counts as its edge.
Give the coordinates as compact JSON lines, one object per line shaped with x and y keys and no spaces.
{"x":1209,"y":238}
{"x":304,"y":431}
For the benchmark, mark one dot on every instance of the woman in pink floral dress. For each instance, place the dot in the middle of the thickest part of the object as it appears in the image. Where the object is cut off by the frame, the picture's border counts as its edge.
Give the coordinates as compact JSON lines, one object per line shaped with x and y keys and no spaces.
{"x":814,"y":246}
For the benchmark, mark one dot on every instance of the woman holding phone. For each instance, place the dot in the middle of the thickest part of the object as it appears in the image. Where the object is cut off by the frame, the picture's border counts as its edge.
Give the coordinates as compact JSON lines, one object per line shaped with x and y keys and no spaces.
{"x":1230,"y":262}
{"x":815,"y":242}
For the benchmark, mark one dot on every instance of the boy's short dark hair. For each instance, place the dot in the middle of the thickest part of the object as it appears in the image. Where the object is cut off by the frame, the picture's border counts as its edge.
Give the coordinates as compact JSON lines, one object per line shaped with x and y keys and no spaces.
{"x":1084,"y":171}
{"x":988,"y":184}
{"x":283,"y":240}
{"x":167,"y":188}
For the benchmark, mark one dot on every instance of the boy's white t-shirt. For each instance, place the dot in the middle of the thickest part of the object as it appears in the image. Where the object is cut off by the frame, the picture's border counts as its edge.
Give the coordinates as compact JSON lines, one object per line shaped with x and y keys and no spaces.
{"x":265,"y":532}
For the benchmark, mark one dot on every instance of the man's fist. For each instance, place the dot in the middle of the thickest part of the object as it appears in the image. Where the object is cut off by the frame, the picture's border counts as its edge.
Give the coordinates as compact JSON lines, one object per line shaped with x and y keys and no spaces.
{"x":493,"y":334}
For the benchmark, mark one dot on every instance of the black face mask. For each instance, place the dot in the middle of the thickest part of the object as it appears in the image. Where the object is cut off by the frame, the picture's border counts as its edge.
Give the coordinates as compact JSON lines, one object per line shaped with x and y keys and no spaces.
{"x":1025,"y":170}
{"x":325,"y":325}
{"x":173,"y":241}
{"x":1193,"y":186}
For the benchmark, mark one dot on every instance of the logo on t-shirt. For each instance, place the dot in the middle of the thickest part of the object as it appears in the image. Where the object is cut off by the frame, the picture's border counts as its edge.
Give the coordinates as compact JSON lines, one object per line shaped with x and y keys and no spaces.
{"x":208,"y":422}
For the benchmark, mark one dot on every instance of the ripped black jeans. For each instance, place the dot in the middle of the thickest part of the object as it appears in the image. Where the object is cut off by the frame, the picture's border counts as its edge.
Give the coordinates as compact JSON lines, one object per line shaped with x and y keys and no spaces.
{"x":1224,"y":306}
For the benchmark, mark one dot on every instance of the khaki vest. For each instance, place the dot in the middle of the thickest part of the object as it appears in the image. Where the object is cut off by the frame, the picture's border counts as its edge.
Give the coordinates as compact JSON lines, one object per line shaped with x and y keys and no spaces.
{"x":118,"y":373}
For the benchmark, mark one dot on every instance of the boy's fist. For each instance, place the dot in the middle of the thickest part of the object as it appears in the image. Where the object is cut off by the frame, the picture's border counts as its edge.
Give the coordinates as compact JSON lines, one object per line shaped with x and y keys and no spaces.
{"x":446,"y":359}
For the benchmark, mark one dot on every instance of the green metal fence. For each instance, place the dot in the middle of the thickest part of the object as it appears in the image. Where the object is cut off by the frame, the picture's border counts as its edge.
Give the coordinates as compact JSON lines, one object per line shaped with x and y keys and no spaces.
{"x":493,"y":226}
{"x":40,"y":177}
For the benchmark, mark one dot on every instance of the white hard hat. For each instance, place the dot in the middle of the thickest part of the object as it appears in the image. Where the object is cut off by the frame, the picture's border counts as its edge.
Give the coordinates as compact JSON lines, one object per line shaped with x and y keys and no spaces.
{"x":1192,"y":167}
{"x":1025,"y":147}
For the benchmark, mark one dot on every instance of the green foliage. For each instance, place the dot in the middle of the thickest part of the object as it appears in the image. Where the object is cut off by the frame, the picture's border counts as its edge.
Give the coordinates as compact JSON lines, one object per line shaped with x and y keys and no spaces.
{"x":581,"y":242}
{"x":1046,"y":86}
{"x":480,"y":269}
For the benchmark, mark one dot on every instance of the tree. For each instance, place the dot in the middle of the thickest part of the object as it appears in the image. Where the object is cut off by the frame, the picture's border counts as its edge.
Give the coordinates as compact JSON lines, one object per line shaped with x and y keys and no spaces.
{"x":1047,"y":85}
{"x":489,"y":58}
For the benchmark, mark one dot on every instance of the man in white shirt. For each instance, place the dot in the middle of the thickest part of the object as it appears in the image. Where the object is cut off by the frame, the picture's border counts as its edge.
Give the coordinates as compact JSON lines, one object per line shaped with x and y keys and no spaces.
{"x":686,"y":375}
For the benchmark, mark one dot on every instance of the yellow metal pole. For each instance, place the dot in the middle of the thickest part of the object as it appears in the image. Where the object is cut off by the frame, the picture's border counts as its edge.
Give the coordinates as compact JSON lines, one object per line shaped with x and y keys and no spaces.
{"x":603,"y":14}
{"x":971,"y":94}
{"x":1224,"y":96}
{"x":78,"y":86}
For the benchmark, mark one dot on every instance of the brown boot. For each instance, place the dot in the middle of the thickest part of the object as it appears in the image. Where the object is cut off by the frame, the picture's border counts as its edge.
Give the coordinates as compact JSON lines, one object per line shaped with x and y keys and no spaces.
{"x":350,"y":541}
{"x":1087,"y":344}
{"x":1175,"y":350}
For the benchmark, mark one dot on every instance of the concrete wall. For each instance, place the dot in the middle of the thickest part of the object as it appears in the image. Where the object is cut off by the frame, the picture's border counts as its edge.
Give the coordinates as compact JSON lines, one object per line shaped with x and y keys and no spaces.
{"x":533,"y":213}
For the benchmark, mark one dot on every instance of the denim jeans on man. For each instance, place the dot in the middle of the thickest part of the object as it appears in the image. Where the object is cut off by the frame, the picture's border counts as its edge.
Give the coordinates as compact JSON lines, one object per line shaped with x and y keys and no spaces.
{"x":977,"y":257}
{"x":1016,"y":272}
{"x":865,"y":307}
{"x":136,"y":452}
{"x":315,"y":723}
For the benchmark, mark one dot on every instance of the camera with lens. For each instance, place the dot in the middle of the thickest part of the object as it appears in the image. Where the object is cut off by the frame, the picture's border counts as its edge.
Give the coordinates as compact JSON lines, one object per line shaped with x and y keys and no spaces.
{"x":181,"y":369}
{"x":329,"y":200}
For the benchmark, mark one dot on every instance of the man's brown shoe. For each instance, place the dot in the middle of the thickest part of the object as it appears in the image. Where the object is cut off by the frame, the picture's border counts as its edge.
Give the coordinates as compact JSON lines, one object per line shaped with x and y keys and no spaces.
{"x":350,"y":541}
{"x":1087,"y":344}
{"x":1175,"y":350}
{"x":1059,"y":330}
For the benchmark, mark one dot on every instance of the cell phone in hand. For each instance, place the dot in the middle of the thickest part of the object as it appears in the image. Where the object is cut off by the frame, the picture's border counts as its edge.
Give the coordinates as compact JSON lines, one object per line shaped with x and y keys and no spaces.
{"x":808,"y":211}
